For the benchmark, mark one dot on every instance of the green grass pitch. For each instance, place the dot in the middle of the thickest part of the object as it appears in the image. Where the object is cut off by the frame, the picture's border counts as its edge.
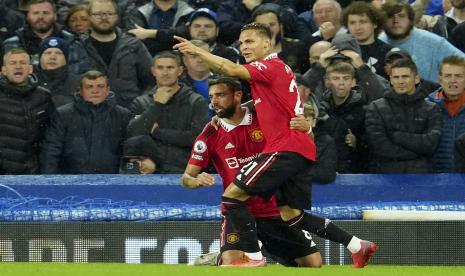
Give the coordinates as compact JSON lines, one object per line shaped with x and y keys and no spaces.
{"x":110,"y":269}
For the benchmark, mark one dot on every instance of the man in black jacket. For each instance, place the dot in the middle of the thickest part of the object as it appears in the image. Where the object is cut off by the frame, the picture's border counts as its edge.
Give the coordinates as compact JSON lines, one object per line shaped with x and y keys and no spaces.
{"x":121,"y":57}
{"x":24,"y":111}
{"x":172,"y":113}
{"x":402,"y":129}
{"x":86,"y":136}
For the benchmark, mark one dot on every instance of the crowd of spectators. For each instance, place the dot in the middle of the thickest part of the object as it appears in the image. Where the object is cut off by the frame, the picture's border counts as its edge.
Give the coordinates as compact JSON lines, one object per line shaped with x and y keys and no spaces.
{"x":95,"y":86}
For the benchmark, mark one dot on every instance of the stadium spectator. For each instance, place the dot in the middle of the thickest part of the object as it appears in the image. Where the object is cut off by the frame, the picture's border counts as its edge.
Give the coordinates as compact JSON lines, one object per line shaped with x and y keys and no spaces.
{"x":24,"y":111}
{"x":447,"y":22}
{"x":201,"y":25}
{"x":172,"y":114}
{"x":344,"y":103}
{"x":54,"y":73}
{"x":459,"y":154}
{"x":78,"y":19}
{"x":457,"y":38}
{"x":291,"y":51}
{"x":197,"y":73}
{"x":40,"y":24}
{"x":86,"y":136}
{"x":287,"y":155}
{"x":234,"y":14}
{"x":365,"y":23}
{"x":451,"y":100}
{"x":10,"y":21}
{"x":156,"y":22}
{"x":426,"y":87}
{"x":139,"y":153}
{"x":121,"y":57}
{"x":326,"y":16}
{"x":426,"y":49}
{"x":403,"y":130}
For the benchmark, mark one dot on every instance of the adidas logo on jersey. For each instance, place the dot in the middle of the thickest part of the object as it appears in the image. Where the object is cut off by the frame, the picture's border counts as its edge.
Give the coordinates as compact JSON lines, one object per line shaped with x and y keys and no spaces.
{"x":229,"y":146}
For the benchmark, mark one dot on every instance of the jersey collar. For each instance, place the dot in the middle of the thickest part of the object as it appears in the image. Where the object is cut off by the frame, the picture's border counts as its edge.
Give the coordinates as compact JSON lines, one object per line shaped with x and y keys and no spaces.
{"x":247,"y":120}
{"x":271,"y":56}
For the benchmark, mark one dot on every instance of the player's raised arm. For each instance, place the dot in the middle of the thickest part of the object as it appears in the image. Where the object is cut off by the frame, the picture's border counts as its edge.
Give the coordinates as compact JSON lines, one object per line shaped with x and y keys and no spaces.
{"x":193,"y":178}
{"x":219,"y":64}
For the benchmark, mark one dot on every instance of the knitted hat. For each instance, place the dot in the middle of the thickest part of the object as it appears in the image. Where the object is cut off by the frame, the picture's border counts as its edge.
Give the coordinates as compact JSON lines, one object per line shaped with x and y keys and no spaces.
{"x":54,"y":42}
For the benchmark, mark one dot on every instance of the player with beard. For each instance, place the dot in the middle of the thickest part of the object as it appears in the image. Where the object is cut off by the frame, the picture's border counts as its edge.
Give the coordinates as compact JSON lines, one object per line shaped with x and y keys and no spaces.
{"x":426,"y":49}
{"x":123,"y":57}
{"x":40,"y":24}
{"x":282,"y":167}
{"x":237,"y":140}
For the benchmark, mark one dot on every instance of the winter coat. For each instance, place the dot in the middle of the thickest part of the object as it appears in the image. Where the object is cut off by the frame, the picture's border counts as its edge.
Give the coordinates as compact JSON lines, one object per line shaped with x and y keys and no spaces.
{"x":452,"y":128}
{"x":179,"y":121}
{"x":403,"y":132}
{"x":129,"y":69}
{"x":62,"y":84}
{"x":84,"y":138}
{"x":24,"y":113}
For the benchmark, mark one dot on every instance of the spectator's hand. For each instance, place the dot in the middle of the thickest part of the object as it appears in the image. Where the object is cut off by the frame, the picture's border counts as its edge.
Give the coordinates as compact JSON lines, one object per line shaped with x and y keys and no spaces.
{"x":251,"y":4}
{"x":351,"y":139}
{"x":164,"y":94}
{"x":327,"y":30}
{"x":355,"y":58}
{"x":324,"y":62}
{"x":204,"y":180}
{"x":142,"y":33}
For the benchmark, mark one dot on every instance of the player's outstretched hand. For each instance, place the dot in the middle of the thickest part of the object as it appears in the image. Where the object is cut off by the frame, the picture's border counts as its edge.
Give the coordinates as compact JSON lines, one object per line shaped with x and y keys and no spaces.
{"x":185,"y":46}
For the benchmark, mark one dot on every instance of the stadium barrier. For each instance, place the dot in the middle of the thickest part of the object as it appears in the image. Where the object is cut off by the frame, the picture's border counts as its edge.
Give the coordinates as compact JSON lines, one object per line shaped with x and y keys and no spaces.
{"x":140,"y":219}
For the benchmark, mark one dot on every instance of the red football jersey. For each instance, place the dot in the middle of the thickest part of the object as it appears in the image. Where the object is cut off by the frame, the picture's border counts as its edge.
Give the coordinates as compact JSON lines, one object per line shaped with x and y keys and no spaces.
{"x":229,"y":148}
{"x":277,"y":100}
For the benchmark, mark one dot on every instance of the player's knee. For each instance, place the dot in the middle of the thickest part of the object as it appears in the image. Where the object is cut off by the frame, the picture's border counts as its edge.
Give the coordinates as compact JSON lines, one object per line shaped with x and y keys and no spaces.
{"x":288,"y":213}
{"x":313,"y":260}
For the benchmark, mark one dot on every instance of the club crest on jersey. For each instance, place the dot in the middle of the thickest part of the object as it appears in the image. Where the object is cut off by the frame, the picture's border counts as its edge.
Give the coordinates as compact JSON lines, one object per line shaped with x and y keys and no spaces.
{"x":256,"y":135}
{"x":232,"y":238}
{"x":200,"y":146}
{"x":260,"y":66}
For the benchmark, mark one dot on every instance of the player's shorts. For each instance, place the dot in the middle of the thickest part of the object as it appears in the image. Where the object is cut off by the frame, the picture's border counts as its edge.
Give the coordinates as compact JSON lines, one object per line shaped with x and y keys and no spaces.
{"x":286,"y":174}
{"x":279,"y":241}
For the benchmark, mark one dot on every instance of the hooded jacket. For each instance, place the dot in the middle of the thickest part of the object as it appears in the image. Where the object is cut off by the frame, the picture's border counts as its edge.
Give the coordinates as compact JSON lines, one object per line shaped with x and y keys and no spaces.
{"x":84,"y":138}
{"x":24,"y":113}
{"x":179,"y":121}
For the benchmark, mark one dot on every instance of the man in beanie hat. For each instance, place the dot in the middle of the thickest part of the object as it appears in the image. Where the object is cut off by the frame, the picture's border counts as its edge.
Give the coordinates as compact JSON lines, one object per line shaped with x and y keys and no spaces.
{"x":54,"y":73}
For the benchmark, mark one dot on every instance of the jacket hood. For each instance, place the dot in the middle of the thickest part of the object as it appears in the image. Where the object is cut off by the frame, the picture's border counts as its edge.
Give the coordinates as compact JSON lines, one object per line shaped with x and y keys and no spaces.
{"x":405,"y":99}
{"x":7,"y":87}
{"x":83,"y":106}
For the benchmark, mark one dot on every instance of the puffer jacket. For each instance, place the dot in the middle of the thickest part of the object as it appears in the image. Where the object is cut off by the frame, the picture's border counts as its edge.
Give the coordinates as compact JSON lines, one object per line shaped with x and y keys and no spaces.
{"x":453,"y":127}
{"x":84,"y":138}
{"x":61,"y":82}
{"x":24,"y":113}
{"x":403,"y":132}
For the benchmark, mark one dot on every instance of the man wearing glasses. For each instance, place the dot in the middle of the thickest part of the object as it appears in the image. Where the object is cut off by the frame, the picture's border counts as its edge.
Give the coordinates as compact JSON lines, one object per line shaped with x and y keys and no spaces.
{"x":123,"y":58}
